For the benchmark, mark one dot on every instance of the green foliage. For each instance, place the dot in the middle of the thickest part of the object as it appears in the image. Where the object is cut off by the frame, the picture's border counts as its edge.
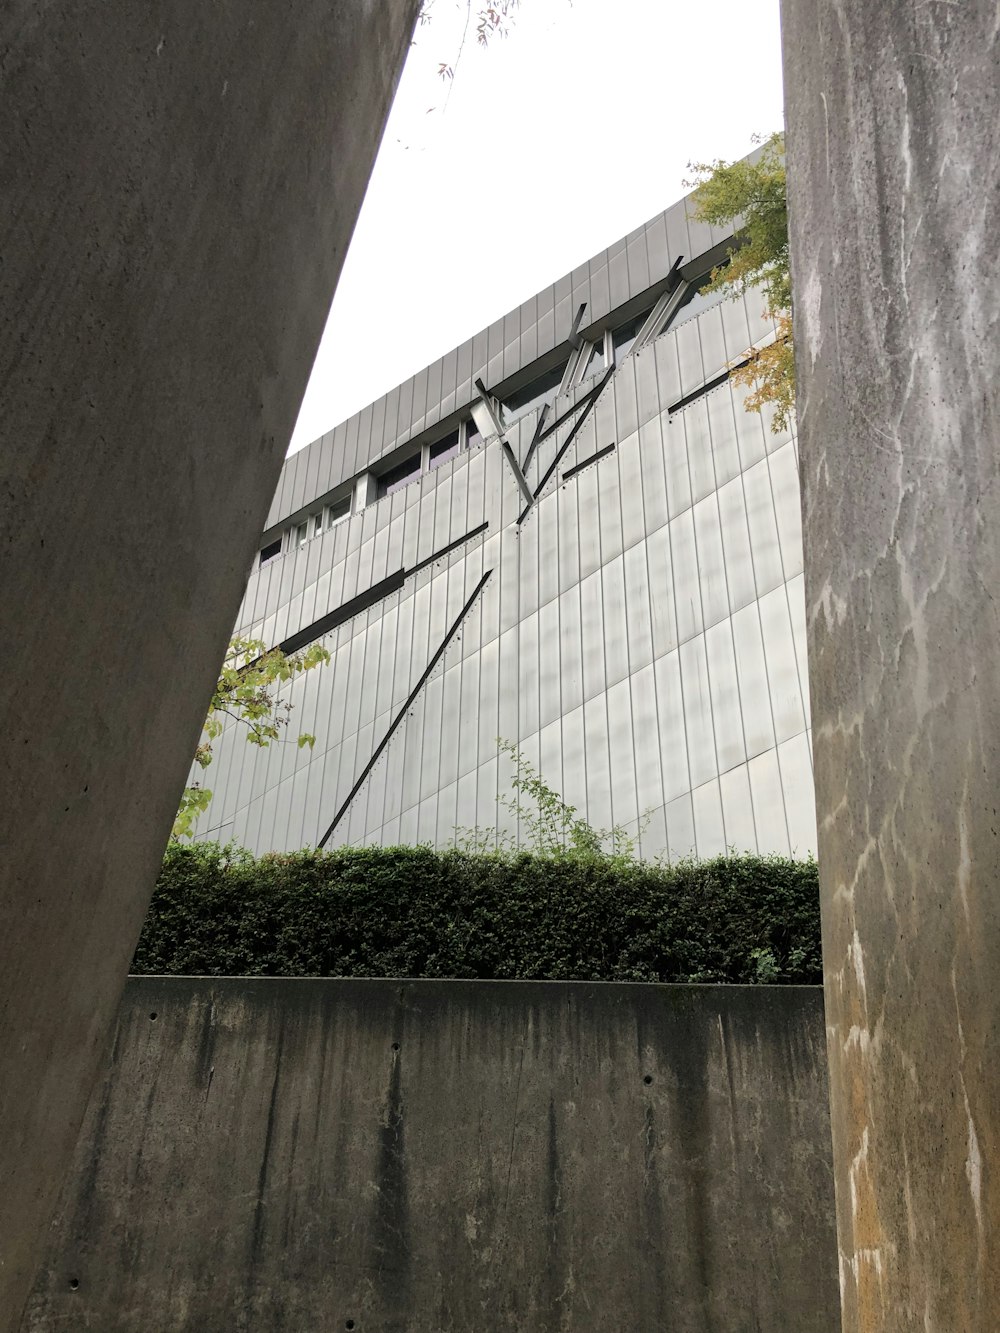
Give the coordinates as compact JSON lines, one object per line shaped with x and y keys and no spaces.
{"x":247,"y":692}
{"x":413,"y":912}
{"x":753,"y":195}
{"x":549,"y":826}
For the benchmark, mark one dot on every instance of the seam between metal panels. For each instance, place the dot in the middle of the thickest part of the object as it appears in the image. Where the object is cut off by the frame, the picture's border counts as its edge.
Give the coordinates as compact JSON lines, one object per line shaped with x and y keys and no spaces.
{"x":703,"y":635}
{"x":699,"y":556}
{"x":767,"y":665}
{"x":685,"y":730}
{"x":732,"y":638}
{"x":394,"y":724}
{"x":791,"y":630}
{"x":644,"y":542}
{"x":757,"y":816}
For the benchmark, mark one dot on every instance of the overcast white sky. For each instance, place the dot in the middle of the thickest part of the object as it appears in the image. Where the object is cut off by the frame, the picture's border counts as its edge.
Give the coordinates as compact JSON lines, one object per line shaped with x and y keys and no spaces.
{"x":548,"y":146}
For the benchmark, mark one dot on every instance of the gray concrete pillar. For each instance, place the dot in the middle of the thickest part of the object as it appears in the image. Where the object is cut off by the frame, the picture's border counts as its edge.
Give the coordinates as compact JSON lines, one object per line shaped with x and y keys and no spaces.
{"x":179,"y":184}
{"x":893,"y":139}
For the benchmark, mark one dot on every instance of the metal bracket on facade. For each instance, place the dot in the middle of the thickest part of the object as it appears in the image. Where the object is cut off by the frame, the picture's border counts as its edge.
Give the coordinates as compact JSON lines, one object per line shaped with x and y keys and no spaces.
{"x":508,"y":452}
{"x":586,"y":404}
{"x":583,"y":406}
{"x":519,"y":477}
{"x":487,"y":398}
{"x":575,"y":341}
{"x":572,"y":365}
{"x":543,"y":416}
{"x":663,"y":312}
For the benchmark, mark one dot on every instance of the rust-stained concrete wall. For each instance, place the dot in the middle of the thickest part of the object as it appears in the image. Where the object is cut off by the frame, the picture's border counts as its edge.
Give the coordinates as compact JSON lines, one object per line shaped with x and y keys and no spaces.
{"x":179,"y":181}
{"x":893,"y":138}
{"x":450,"y":1157}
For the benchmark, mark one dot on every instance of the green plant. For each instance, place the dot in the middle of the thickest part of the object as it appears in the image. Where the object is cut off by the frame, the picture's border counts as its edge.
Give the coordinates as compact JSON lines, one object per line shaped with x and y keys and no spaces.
{"x":765,"y":964}
{"x":414,"y":912}
{"x":551,"y":826}
{"x":247,"y":693}
{"x":753,"y":196}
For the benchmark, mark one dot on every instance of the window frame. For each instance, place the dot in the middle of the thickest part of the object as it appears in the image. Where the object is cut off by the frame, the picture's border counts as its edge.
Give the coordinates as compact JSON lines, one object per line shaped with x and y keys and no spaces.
{"x":544,"y":396}
{"x":278,"y":543}
{"x":332,"y":521}
{"x":384,"y":487}
{"x":453,"y":439}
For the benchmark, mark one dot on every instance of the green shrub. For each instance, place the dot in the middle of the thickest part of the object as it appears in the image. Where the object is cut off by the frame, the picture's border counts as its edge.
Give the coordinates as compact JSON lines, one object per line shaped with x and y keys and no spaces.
{"x":413,"y":912}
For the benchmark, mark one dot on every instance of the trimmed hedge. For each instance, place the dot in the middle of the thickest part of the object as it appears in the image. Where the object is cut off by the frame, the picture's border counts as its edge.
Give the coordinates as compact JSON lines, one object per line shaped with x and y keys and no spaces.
{"x":413,"y":912}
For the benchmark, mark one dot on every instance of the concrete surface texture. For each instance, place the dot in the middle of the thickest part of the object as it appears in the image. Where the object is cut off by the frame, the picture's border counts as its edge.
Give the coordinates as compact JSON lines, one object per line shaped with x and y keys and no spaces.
{"x":893,"y":138}
{"x":180,"y":183}
{"x":443,"y":1157}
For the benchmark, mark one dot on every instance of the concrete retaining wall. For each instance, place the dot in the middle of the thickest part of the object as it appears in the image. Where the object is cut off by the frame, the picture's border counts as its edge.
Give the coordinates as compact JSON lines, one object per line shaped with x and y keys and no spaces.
{"x":436,"y":1156}
{"x":179,"y":182}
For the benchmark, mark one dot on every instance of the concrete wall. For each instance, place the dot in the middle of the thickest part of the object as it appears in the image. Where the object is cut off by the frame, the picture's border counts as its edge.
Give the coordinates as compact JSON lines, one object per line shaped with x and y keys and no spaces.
{"x":893,"y":136}
{"x":442,"y":1157}
{"x":179,"y":184}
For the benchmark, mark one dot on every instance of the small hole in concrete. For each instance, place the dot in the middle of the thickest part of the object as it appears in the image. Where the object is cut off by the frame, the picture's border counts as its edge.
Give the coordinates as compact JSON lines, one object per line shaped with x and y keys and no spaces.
{"x":395,"y":1045}
{"x":349,"y":1324}
{"x":74,"y":1282}
{"x":648,"y":1079}
{"x":153,"y":1016}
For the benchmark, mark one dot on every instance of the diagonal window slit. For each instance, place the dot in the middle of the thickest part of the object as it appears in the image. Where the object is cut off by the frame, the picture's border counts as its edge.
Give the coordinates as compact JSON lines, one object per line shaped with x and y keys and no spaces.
{"x":707,"y":387}
{"x":384,"y":588}
{"x":393,"y":725}
{"x":587,"y":462}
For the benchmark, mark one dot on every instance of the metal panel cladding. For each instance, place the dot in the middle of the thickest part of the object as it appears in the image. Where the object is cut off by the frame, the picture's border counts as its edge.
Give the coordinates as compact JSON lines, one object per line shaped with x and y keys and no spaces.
{"x":638,"y":630}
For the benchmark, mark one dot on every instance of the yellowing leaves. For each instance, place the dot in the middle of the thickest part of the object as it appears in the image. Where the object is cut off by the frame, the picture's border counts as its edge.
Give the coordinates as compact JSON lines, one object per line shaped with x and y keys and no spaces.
{"x":751,"y":196}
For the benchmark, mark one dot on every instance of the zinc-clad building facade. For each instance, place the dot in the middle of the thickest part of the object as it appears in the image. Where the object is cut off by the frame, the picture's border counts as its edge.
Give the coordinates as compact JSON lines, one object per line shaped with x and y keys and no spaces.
{"x":566,"y":533}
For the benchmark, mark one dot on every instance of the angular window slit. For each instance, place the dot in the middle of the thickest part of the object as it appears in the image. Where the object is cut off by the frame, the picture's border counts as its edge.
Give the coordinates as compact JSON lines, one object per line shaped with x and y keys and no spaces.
{"x":594,"y":458}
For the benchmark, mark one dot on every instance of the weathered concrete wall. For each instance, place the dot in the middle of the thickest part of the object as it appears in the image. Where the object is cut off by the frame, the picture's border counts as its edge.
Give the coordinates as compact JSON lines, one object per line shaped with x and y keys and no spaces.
{"x":451,"y":1156}
{"x":179,"y":184}
{"x":893,"y":137}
